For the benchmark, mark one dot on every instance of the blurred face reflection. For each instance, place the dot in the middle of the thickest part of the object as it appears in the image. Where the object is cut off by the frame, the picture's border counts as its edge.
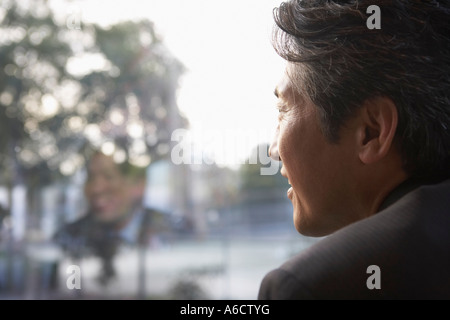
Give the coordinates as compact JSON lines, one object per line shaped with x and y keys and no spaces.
{"x":107,"y":190}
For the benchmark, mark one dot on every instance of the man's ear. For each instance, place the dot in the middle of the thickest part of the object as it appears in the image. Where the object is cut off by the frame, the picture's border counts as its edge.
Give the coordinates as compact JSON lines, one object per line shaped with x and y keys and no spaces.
{"x":376,"y":130}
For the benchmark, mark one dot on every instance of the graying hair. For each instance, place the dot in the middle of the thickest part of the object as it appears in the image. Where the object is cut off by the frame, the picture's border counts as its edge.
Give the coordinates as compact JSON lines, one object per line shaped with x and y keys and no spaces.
{"x":343,"y":63}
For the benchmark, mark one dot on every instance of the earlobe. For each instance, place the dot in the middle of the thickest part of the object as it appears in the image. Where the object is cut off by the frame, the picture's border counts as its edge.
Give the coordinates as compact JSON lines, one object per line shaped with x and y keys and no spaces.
{"x":376,"y":133}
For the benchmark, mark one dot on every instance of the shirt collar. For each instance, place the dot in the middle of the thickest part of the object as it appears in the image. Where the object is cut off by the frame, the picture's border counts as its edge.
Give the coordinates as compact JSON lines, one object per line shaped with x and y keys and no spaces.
{"x":130,"y":233}
{"x":404,"y":188}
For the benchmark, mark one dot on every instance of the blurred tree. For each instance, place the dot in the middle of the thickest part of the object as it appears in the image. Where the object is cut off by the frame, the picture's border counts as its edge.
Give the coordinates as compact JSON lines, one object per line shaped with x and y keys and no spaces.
{"x":65,"y":86}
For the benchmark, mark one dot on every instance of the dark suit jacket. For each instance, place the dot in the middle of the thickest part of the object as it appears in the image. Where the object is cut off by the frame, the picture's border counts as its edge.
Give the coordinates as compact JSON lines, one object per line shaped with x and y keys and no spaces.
{"x":86,"y":235}
{"x":409,"y":241}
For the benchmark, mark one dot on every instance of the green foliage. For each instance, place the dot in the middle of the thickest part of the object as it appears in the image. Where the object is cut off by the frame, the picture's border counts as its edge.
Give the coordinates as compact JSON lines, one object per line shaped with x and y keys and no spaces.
{"x":64,"y":91}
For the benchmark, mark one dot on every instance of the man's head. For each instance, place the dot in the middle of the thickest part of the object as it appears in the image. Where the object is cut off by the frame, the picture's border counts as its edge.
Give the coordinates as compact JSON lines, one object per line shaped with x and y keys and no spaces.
{"x":361,"y":110}
{"x":113,"y":189}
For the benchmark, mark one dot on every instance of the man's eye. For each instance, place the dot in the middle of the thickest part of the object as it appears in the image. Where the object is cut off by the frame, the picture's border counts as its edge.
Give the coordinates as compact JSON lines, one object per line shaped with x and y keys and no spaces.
{"x":282,"y":111}
{"x":281,"y":108}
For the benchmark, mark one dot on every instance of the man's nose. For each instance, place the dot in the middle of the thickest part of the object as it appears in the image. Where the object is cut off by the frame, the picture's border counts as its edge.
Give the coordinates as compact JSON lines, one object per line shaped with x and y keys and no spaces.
{"x":273,"y":149}
{"x":96,"y":185}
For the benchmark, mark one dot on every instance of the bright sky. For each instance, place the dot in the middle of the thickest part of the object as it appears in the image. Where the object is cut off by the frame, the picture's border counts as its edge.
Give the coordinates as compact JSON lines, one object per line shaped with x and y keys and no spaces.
{"x":227,"y":92}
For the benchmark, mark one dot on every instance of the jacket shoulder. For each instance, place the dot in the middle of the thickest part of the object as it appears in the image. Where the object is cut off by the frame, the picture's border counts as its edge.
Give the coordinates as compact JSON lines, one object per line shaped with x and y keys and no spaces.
{"x":408,"y":242}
